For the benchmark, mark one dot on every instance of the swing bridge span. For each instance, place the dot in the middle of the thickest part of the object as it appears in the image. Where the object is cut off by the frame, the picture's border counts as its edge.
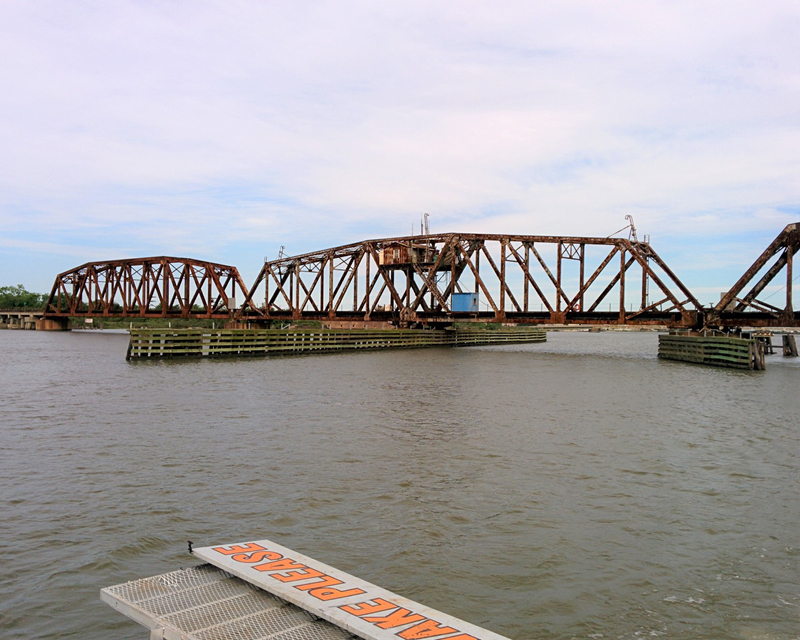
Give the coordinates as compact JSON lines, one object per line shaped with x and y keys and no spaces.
{"x":436,"y":280}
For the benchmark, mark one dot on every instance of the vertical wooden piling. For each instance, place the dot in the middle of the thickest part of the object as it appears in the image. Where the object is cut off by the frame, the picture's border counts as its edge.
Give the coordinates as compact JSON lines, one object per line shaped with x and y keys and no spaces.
{"x":789,"y":346}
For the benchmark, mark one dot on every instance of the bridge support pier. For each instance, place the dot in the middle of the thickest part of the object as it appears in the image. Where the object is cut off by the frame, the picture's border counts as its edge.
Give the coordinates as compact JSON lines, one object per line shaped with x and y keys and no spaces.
{"x":52,"y":324}
{"x":789,"y":346}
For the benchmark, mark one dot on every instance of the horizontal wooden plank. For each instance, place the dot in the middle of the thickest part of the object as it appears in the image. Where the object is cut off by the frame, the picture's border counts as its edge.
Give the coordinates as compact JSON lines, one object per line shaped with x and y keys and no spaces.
{"x":715,"y":351}
{"x":146,"y":343}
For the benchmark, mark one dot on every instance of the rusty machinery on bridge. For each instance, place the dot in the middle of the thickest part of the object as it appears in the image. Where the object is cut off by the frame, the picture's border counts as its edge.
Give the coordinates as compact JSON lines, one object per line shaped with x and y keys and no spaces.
{"x":438,"y":279}
{"x":158,"y":287}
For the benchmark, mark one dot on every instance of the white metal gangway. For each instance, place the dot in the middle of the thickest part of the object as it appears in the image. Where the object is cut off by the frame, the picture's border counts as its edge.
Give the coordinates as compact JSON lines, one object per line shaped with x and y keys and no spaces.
{"x":260,"y":590}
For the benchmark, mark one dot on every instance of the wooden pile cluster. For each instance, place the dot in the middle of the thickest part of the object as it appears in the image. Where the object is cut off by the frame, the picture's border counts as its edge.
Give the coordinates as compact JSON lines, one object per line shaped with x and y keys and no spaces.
{"x":168,"y":343}
{"x":719,"y":351}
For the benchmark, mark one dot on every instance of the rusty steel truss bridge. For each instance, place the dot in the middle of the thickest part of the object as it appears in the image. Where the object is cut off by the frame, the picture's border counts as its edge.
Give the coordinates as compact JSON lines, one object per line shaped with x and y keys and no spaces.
{"x":435,"y":280}
{"x":159,"y":287}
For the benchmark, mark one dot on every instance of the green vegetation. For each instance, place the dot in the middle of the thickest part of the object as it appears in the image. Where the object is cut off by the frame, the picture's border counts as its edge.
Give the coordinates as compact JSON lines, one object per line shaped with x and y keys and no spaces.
{"x":20,"y":298}
{"x":490,"y":326}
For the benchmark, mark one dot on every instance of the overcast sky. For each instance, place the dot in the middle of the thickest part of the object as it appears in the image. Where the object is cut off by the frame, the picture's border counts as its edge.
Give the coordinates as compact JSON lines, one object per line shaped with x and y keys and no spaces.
{"x":223,"y":130}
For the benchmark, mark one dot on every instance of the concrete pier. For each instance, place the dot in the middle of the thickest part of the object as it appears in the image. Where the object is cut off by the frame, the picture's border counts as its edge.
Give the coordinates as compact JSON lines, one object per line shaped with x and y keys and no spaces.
{"x":31,"y":320}
{"x":19,"y":319}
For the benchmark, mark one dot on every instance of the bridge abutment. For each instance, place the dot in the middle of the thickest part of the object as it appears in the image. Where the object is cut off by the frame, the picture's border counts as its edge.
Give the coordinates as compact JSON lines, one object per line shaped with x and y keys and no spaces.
{"x":52,"y":324}
{"x":29,"y":320}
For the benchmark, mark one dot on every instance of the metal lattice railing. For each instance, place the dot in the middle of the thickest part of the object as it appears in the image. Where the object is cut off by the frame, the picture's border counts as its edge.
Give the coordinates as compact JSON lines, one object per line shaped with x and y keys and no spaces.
{"x":206,"y":603}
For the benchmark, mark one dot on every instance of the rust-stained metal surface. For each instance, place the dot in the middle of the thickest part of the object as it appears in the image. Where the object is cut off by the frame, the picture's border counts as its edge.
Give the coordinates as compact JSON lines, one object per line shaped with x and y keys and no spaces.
{"x":411,"y":280}
{"x":735,"y":309}
{"x":158,"y":287}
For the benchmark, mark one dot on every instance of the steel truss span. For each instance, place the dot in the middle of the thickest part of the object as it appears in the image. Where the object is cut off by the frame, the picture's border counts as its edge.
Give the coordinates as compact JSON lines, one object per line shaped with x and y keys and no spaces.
{"x":157,"y":287}
{"x":438,"y":279}
{"x":433,"y":279}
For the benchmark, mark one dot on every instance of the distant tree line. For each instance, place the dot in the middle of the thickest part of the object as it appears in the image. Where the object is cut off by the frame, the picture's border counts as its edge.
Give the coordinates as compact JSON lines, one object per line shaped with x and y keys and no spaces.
{"x":20,"y":298}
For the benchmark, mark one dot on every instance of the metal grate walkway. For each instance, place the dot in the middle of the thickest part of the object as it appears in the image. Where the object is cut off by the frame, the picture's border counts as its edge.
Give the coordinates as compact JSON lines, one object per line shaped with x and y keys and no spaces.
{"x":207,"y":603}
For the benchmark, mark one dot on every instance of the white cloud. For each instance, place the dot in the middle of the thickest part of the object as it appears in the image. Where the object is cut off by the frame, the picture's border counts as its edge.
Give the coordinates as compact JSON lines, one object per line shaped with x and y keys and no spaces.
{"x":209,"y":126}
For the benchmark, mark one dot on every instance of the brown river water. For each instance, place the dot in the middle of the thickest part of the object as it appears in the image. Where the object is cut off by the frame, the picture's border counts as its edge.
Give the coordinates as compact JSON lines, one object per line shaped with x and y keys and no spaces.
{"x":579,"y":488}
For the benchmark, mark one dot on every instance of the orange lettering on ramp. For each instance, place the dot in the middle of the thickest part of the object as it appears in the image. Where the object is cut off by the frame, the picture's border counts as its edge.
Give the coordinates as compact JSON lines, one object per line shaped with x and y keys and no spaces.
{"x":427,"y":629}
{"x":281,"y":565}
{"x":395,"y":619}
{"x":371,"y":606}
{"x":256,"y":556}
{"x":334,"y":594}
{"x":327,"y":581}
{"x":302,"y":574}
{"x":238,"y":548}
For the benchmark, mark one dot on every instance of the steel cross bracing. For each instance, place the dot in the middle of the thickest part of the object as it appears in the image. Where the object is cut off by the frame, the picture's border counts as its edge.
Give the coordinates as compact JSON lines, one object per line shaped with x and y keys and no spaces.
{"x":412,"y":280}
{"x":156,"y":287}
{"x":735,"y":309}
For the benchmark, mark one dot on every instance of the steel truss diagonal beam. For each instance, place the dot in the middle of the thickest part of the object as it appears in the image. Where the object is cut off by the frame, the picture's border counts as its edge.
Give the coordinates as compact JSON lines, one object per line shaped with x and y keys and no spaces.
{"x":414,"y":280}
{"x":158,"y":287}
{"x":437,"y":279}
{"x":735,"y":310}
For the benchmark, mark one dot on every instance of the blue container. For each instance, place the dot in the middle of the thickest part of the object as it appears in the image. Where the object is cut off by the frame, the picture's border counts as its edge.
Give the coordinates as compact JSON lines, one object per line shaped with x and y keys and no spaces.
{"x":465,"y":303}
